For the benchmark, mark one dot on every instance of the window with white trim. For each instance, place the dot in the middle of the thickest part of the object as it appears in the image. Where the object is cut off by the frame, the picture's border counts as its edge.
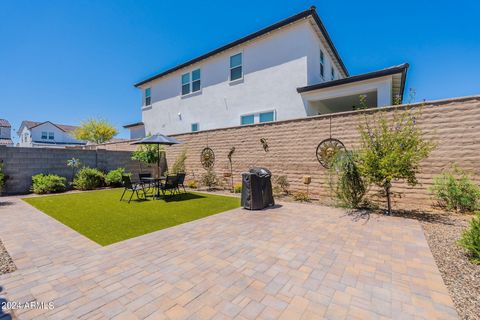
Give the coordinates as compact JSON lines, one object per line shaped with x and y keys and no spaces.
{"x":195,"y":127}
{"x":44,"y":135}
{"x":322,"y":64}
{"x":148,"y":96}
{"x":191,"y":82}
{"x":247,"y":119}
{"x":51,"y":136}
{"x":267,"y":116}
{"x":236,"y":67}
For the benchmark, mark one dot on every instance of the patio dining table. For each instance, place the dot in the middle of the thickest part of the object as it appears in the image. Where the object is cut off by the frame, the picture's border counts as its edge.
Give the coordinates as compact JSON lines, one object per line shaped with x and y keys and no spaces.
{"x":156,"y":182}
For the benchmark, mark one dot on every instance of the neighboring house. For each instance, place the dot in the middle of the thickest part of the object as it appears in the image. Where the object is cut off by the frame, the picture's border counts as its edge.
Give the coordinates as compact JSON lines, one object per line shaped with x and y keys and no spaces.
{"x":46,"y":134}
{"x":137,"y":130}
{"x":288,"y":70}
{"x":5,"y":133}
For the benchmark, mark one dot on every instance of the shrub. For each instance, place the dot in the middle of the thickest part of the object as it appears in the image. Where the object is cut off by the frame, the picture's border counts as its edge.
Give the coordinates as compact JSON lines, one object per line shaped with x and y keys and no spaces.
{"x":454,"y":190}
{"x":209,"y":179}
{"x":237,"y":187}
{"x":301,"y":196}
{"x":48,"y":183}
{"x":88,"y":179}
{"x":346,"y":182}
{"x":470,"y":239}
{"x":193,"y":184}
{"x":114,"y":177}
{"x":179,"y":164}
{"x":281,"y":185}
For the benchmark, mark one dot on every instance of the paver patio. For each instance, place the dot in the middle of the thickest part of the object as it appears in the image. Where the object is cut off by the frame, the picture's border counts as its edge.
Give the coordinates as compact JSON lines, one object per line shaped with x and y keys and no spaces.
{"x":293,"y":262}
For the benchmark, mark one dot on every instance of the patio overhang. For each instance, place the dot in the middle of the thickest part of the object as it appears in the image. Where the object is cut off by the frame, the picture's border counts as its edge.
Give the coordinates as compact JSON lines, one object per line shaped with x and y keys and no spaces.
{"x":380,"y":88}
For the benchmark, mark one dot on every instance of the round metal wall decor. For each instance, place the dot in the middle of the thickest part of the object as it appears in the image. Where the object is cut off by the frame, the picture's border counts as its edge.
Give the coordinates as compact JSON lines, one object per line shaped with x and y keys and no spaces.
{"x":207,"y":158}
{"x":327,"y":149}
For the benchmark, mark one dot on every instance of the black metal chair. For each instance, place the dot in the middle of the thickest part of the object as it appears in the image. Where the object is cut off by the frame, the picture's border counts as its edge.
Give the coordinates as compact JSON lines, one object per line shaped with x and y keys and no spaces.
{"x":170,"y":184}
{"x":133,"y":187}
{"x":181,"y":180}
{"x":149,"y":186}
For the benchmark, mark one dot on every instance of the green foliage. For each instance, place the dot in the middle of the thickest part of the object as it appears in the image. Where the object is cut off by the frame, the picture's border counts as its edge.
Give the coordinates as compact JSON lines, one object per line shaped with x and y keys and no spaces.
{"x":281,"y":185}
{"x":455,"y":190}
{"x":391,"y":149}
{"x":346,"y":182}
{"x":73,"y":163}
{"x":209,"y":179}
{"x":2,"y":177}
{"x":89,"y":179}
{"x":193,"y":184}
{"x":147,"y":153}
{"x":301,"y":196}
{"x":114,"y":177}
{"x":179,"y":164}
{"x":95,"y":130}
{"x":48,"y":183}
{"x":470,"y":239}
{"x":237,"y":187}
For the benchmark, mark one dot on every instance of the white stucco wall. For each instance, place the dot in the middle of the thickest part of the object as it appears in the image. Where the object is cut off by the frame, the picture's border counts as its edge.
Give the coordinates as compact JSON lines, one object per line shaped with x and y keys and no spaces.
{"x":274,"y":66}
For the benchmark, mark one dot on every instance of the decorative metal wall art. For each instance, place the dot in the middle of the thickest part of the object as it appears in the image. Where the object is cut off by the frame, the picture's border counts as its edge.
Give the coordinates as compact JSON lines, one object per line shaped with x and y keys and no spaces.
{"x":207,"y":158}
{"x":264,"y":143}
{"x":328,"y":148}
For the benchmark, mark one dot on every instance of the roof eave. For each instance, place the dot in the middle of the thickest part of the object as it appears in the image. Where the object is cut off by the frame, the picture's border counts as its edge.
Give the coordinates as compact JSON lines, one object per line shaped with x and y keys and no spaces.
{"x":304,"y":14}
{"x":366,"y":76}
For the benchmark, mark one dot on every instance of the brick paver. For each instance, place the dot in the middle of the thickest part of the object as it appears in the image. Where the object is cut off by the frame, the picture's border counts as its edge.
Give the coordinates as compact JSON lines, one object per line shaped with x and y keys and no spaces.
{"x":292,"y":262}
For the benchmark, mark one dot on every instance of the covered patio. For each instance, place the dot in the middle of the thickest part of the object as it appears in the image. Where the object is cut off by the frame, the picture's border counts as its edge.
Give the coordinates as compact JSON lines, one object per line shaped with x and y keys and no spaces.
{"x":380,"y":88}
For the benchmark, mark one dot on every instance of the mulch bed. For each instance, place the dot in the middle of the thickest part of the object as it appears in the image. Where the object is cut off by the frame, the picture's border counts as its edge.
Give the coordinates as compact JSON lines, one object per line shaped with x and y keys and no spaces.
{"x":6,"y":262}
{"x":461,"y":276}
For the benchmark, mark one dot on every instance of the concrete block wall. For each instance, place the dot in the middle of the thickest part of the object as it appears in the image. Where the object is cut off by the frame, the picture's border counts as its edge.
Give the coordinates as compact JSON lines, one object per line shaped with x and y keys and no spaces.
{"x":20,"y":164}
{"x":454,"y":124}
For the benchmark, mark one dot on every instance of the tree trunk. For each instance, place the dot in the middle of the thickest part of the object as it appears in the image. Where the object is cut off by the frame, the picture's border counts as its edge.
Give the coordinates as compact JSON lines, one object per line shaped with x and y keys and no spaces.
{"x":388,"y":185}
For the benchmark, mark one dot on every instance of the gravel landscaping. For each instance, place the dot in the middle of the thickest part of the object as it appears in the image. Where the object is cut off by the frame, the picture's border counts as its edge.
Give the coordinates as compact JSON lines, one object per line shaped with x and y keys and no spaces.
{"x":6,"y":263}
{"x":461,"y":276}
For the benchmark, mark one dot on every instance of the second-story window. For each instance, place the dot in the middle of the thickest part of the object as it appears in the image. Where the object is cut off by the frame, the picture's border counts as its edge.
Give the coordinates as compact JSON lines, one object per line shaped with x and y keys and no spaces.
{"x":194,"y":127}
{"x":191,"y":82}
{"x":51,"y":136}
{"x":148,"y":96}
{"x":44,"y":134}
{"x":333,"y":73}
{"x":185,"y":83}
{"x":236,"y":69}
{"x":322,"y":65}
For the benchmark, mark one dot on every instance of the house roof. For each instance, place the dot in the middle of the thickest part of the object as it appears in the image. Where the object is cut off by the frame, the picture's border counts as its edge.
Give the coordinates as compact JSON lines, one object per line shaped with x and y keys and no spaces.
{"x":32,"y":124}
{"x":302,"y":15}
{"x":5,"y":142}
{"x":131,"y":125}
{"x":400,"y":69}
{"x":4,"y":123}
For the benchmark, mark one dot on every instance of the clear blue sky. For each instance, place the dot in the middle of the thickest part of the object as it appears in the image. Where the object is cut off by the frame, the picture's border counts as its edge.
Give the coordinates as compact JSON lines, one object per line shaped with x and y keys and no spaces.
{"x":66,"y":61}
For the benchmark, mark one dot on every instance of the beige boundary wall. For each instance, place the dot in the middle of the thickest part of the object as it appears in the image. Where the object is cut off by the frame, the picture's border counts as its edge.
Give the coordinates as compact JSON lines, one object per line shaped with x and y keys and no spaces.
{"x":454,"y":124}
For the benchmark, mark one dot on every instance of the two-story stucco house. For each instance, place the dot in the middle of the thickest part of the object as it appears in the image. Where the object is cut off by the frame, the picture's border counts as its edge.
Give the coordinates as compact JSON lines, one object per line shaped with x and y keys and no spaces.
{"x":46,"y":134}
{"x":288,"y":70}
{"x":5,"y":133}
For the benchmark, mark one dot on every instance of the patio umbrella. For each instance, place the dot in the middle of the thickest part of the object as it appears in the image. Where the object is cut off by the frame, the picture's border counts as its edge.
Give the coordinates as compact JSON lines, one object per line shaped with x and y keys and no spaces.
{"x":158,"y":139}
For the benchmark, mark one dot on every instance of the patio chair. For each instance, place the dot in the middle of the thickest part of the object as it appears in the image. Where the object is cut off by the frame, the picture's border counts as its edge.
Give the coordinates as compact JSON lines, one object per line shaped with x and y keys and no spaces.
{"x":133,"y":187}
{"x":149,"y":186}
{"x":181,"y":180}
{"x":170,"y":184}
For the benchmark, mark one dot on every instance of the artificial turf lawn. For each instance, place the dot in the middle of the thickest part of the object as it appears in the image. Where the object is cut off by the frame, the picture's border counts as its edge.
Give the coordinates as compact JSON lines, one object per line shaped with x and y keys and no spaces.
{"x":101,"y":217}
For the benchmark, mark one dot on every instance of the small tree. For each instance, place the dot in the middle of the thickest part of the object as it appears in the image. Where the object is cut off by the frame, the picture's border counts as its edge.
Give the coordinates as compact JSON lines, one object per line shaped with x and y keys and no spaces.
{"x":74,"y":164}
{"x":148,"y":154}
{"x":2,"y":177}
{"x":391,"y":149}
{"x":95,"y":131}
